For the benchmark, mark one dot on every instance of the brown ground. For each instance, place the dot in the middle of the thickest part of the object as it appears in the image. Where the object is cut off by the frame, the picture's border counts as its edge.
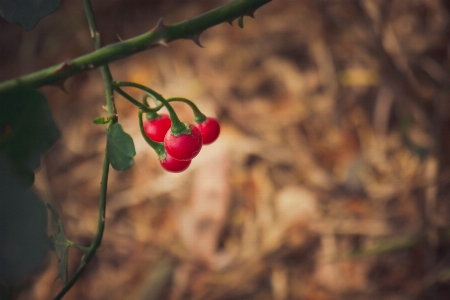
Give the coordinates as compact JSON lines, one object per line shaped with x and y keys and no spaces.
{"x":335,"y":140}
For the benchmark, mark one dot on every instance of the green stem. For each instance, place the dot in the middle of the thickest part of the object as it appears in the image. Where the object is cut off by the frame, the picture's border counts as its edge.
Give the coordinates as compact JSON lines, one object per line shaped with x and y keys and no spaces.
{"x":153,"y":115}
{"x":133,"y":101}
{"x":107,"y":78}
{"x":79,"y":247}
{"x":158,"y":147}
{"x":198,"y":115}
{"x":178,"y":127}
{"x":106,"y":73}
{"x":187,"y":29}
{"x":145,"y":101}
{"x":100,"y":228}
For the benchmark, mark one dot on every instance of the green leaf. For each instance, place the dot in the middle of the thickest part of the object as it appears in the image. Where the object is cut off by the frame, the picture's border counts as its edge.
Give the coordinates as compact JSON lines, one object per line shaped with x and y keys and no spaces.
{"x":101,"y":121}
{"x":61,"y":245}
{"x":241,"y":22}
{"x":27,"y":129}
{"x":120,"y":148}
{"x":23,"y":228}
{"x":27,"y":13}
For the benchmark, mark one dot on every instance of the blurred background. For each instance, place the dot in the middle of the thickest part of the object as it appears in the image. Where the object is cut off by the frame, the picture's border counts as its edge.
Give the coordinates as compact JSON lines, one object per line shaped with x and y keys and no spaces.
{"x":331,"y":177}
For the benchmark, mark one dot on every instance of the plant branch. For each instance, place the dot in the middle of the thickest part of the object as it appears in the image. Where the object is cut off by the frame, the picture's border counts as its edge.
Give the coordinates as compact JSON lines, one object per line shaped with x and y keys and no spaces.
{"x":100,"y":228}
{"x":160,"y":35}
{"x":106,"y":73}
{"x":108,"y":81}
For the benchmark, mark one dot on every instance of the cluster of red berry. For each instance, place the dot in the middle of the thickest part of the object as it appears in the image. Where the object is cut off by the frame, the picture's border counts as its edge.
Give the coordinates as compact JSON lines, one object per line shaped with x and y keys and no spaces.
{"x":180,"y":149}
{"x":175,"y":142}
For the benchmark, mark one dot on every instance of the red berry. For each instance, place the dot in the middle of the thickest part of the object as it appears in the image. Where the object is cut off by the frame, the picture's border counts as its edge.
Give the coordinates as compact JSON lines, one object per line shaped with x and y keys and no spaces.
{"x":184,"y":146}
{"x":156,"y":129}
{"x":170,"y":164}
{"x":210,"y":130}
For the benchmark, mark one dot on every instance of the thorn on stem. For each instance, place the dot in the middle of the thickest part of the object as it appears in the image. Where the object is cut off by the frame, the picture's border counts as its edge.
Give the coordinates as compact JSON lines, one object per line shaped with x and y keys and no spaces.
{"x":251,"y":14}
{"x":60,"y":85}
{"x":159,"y":26}
{"x":162,"y":42}
{"x":65,"y":65}
{"x":230,"y":21}
{"x":196,"y":39}
{"x":118,"y":37}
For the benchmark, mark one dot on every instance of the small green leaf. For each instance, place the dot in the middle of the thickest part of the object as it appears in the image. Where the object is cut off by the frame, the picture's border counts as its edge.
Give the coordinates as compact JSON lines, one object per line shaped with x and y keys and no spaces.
{"x":27,"y":13}
{"x":120,"y":148}
{"x":241,"y":22}
{"x":61,"y":245}
{"x":100,"y":121}
{"x":27,"y":129}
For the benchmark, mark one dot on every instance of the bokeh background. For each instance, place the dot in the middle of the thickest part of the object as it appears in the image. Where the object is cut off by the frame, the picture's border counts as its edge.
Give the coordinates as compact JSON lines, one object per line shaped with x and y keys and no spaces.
{"x":331,"y":177}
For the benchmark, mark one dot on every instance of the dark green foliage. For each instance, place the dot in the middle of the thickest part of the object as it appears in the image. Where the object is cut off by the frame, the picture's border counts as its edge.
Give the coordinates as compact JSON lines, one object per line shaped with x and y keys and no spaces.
{"x":120,"y":148}
{"x":27,"y":130}
{"x":23,"y":228}
{"x":61,"y":245}
{"x":27,"y":13}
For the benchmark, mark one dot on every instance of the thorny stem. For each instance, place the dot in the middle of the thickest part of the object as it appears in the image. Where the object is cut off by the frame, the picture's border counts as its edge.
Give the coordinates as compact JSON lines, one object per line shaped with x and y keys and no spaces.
{"x":198,"y":115}
{"x":107,"y":78}
{"x":160,"y":35}
{"x":178,"y":127}
{"x":106,"y":73}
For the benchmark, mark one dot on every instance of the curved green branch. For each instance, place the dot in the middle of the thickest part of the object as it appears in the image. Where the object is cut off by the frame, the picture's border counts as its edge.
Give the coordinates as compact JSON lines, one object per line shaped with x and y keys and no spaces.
{"x":160,"y":35}
{"x":100,"y":228}
{"x":106,"y":72}
{"x":107,"y":79}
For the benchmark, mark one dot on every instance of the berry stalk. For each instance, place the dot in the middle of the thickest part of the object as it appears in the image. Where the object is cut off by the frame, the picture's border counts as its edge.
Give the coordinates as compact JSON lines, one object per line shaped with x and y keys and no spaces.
{"x":158,"y":147}
{"x":178,"y":127}
{"x":141,"y":106}
{"x":198,"y":115}
{"x":209,"y":127}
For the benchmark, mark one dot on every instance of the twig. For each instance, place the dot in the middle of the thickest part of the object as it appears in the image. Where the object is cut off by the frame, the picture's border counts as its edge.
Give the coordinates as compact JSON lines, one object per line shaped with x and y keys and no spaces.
{"x":107,"y":78}
{"x":160,"y":35}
